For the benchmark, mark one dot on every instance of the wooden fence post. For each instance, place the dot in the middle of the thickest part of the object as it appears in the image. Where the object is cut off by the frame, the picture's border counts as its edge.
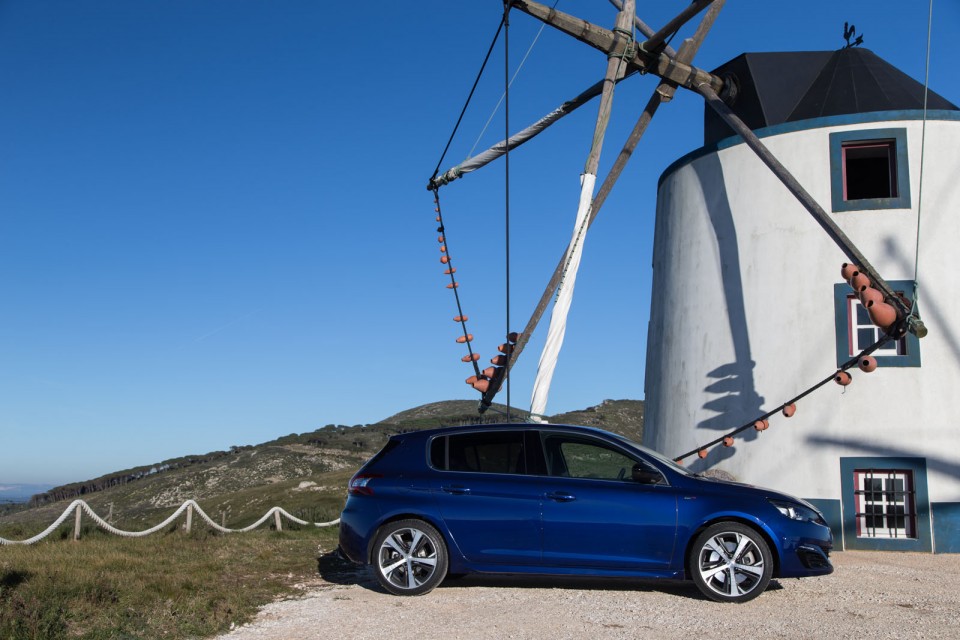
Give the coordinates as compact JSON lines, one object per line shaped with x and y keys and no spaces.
{"x":76,"y":524}
{"x":189,"y":517}
{"x":276,"y":519}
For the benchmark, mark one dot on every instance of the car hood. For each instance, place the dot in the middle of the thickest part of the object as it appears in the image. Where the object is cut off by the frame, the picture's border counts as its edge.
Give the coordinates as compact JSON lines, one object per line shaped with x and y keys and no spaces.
{"x":762,"y":492}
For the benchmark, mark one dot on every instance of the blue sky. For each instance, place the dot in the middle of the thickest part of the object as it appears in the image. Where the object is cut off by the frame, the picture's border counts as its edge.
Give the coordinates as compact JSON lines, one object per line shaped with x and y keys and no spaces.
{"x":214,"y":228}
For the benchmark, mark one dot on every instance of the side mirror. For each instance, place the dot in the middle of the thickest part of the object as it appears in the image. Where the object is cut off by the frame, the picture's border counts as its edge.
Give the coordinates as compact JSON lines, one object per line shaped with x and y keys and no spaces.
{"x":644,"y":475}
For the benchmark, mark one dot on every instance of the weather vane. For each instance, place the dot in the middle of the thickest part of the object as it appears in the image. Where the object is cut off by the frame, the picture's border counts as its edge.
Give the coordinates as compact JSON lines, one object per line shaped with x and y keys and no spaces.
{"x":848,"y":32}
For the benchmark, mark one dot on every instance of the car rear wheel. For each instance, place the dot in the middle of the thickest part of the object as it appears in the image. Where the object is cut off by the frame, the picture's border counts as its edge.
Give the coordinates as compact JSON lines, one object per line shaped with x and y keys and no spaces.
{"x":410,"y":557}
{"x":730,"y":562}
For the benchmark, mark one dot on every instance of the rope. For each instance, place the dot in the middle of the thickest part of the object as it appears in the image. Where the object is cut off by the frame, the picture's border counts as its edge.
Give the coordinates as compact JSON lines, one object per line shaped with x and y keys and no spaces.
{"x":510,"y":83}
{"x":469,"y":97}
{"x":847,"y":365}
{"x":923,"y":140}
{"x":506,"y":206}
{"x":454,"y":285}
{"x":106,"y":526}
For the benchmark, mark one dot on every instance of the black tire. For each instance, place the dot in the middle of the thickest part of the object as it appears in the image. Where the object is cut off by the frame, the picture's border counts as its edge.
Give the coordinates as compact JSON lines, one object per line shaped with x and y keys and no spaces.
{"x":730,"y":562}
{"x":409,"y":557}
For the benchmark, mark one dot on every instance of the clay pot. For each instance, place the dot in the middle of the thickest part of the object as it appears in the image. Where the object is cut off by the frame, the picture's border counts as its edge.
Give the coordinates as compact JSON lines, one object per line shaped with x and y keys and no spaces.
{"x":859,"y":282}
{"x":460,"y":319}
{"x":842,"y":378}
{"x":789,"y":410}
{"x":453,"y":285}
{"x":702,"y":453}
{"x":444,"y":259}
{"x":473,"y":357}
{"x":481,"y":385}
{"x":848,"y":270}
{"x":513,"y":336}
{"x":498,"y":360}
{"x":867,"y":364}
{"x":466,"y":338}
{"x":471,"y":380}
{"x":761,"y":425}
{"x":882,"y":314}
{"x":869,"y":295}
{"x":728,"y":441}
{"x":450,"y":271}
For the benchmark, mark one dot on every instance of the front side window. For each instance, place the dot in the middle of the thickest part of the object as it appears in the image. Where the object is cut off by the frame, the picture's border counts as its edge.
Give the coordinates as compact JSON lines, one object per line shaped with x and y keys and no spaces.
{"x":572,"y":457}
{"x":869,"y":170}
{"x":493,"y":452}
{"x":885,"y":503}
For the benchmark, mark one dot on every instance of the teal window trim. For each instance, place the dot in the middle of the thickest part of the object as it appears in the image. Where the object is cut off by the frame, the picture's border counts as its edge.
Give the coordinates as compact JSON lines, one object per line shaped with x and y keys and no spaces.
{"x":918,"y":466}
{"x":842,"y":323}
{"x":899,"y":138}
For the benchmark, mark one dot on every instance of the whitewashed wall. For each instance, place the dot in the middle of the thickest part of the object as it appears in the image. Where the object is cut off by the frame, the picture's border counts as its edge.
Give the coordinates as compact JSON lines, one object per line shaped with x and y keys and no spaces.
{"x":743,"y":301}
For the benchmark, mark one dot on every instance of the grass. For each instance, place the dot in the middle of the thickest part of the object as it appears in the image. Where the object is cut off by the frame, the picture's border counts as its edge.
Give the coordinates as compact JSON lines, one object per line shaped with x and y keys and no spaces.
{"x":168,"y":585}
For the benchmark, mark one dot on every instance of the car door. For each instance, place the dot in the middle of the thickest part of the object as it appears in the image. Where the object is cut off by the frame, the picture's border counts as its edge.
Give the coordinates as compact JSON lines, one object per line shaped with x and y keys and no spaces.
{"x":595,"y":515}
{"x":489,"y":504}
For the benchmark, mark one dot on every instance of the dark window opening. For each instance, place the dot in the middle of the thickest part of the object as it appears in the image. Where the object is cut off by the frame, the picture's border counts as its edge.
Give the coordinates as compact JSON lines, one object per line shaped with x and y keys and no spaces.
{"x":496,"y":452}
{"x":869,"y":170}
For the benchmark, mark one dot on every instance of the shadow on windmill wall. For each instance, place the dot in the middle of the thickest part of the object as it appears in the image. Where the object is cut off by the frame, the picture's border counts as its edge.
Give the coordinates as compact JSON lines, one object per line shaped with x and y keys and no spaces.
{"x":945,"y":466}
{"x":732,"y":388}
{"x":928,"y":308}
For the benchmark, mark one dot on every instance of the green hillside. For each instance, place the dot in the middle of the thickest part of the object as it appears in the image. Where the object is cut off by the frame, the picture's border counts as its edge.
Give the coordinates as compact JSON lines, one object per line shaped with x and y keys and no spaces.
{"x":305,"y":473}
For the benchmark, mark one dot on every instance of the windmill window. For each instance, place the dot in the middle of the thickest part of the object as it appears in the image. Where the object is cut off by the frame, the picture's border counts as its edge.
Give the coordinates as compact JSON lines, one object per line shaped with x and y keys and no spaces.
{"x":885,"y":504}
{"x":855,"y":331}
{"x":869,"y":170}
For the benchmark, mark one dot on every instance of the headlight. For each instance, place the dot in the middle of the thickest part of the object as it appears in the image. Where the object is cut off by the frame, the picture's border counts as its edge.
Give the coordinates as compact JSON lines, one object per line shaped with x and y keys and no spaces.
{"x":798,"y":512}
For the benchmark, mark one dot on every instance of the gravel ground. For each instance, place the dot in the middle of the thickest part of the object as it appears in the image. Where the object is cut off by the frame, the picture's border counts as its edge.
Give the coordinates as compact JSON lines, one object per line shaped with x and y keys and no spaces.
{"x":869,"y":595}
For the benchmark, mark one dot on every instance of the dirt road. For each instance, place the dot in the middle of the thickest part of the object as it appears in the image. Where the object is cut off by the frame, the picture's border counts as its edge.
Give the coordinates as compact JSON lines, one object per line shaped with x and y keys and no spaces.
{"x":870,"y":595}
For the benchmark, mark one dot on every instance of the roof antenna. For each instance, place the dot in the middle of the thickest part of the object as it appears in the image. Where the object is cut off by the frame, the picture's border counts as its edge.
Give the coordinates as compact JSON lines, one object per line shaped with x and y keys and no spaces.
{"x":849,"y":31}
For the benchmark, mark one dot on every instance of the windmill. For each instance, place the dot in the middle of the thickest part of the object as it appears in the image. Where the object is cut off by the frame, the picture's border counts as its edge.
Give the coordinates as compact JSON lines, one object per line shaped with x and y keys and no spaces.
{"x":653,"y":56}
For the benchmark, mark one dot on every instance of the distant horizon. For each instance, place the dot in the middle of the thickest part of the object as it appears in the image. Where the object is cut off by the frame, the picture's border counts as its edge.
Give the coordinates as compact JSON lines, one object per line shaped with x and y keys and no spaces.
{"x":50,"y":485}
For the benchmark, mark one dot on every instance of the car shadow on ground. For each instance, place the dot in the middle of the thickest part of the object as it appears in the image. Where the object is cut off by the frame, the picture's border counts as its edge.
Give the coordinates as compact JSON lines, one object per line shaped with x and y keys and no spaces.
{"x":336,"y":569}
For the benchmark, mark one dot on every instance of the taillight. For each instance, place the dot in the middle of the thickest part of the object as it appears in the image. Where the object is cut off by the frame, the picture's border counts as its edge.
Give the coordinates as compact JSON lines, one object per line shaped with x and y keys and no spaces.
{"x":360,"y":484}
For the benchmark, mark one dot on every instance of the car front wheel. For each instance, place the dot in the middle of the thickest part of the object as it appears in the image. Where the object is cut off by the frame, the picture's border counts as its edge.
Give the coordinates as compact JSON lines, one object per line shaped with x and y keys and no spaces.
{"x":730,"y":562}
{"x":410,"y":557}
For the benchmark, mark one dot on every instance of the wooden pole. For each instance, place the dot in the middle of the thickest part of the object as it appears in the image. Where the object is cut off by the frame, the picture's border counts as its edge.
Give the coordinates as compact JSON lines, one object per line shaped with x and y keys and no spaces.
{"x":663,"y":93}
{"x":616,"y":67}
{"x":189,"y":517}
{"x":276,"y":519}
{"x":76,"y":524}
{"x":655,"y":43}
{"x":607,"y":41}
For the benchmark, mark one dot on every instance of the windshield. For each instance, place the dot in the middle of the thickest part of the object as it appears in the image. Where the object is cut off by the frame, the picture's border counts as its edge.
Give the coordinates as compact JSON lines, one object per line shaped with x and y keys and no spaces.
{"x":659,"y":457}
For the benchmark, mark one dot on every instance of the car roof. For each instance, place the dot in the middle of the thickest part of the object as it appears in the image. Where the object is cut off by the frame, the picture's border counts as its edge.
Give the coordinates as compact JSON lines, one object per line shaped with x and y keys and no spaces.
{"x":511,"y":426}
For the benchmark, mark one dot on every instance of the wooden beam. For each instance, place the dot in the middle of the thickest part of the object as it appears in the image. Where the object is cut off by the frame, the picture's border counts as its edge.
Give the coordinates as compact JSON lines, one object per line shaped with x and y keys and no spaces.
{"x":613,"y":44}
{"x":663,"y":93}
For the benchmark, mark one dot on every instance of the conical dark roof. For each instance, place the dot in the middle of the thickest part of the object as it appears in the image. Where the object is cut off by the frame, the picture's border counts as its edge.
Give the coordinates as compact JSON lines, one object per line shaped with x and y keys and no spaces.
{"x":774,"y":88}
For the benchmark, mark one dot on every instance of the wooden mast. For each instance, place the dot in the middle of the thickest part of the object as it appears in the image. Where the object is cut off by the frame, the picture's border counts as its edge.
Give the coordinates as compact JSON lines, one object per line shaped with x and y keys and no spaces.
{"x":663,"y":93}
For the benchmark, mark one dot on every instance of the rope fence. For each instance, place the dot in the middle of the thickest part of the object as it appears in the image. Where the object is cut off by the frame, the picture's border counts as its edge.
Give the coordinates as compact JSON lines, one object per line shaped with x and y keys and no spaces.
{"x":77,"y":507}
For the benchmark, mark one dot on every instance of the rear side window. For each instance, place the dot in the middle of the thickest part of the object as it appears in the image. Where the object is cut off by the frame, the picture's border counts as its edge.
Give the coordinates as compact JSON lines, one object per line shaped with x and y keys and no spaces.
{"x":494,"y":452}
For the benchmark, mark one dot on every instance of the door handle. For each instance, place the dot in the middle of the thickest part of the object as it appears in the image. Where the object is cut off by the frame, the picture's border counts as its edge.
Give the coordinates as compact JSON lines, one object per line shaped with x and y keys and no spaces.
{"x":556,"y":496}
{"x":457,"y":491}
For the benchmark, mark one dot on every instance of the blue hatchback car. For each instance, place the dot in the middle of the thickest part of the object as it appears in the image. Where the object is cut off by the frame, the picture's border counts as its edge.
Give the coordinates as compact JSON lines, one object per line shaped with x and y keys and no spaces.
{"x":566,"y":500}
